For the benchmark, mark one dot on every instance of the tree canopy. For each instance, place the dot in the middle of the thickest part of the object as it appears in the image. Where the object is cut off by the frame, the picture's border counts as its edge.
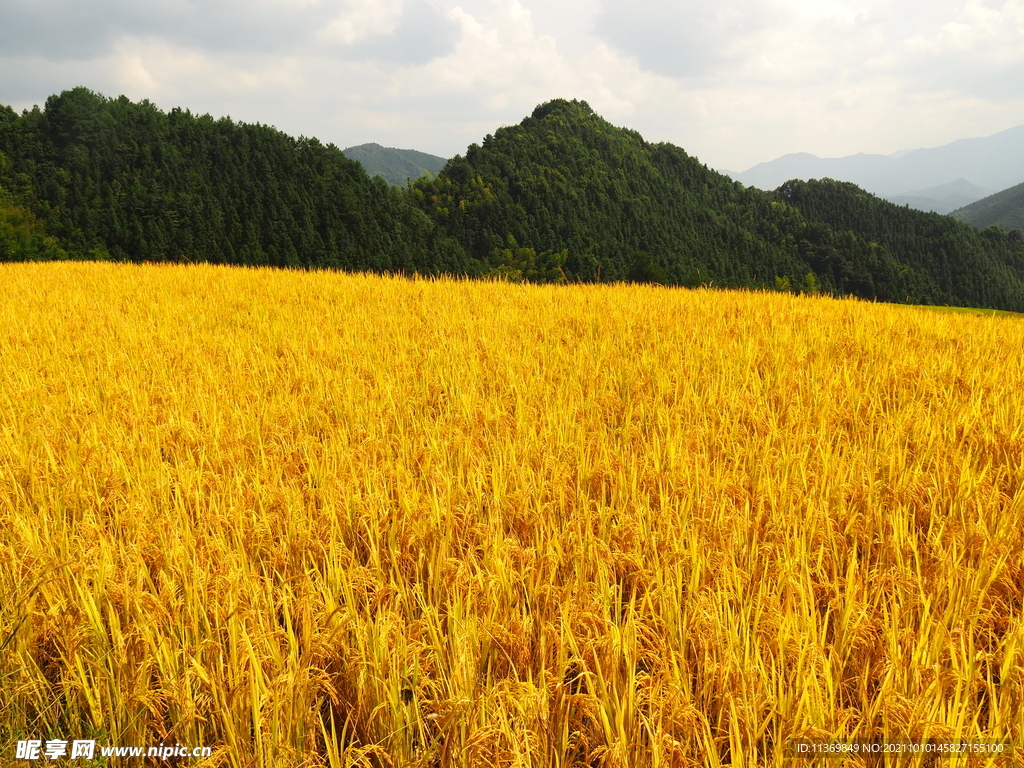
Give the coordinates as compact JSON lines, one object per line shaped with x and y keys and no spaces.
{"x":128,"y":181}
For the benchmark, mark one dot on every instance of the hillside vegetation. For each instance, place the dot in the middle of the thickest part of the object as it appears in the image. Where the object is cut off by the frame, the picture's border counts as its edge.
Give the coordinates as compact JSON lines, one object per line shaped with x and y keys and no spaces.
{"x":395,"y":166}
{"x":567,"y":193}
{"x":1003,"y":209}
{"x":121,"y":180}
{"x":312,"y":519}
{"x":941,"y":256}
{"x":562,"y":197}
{"x":23,"y":237}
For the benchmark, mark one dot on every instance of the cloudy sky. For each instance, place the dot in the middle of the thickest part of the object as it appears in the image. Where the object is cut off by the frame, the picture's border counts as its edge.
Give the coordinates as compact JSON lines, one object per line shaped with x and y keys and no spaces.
{"x":734,"y":82}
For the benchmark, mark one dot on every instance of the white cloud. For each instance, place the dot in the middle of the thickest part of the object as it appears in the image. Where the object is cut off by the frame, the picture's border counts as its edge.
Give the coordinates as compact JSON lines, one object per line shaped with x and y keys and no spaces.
{"x":166,"y":73}
{"x":980,"y":52}
{"x":357,"y":21}
{"x":77,"y":29}
{"x":831,"y":77}
{"x":501,"y":68}
{"x":978,"y":29}
{"x":687,"y":39}
{"x":734,"y":82}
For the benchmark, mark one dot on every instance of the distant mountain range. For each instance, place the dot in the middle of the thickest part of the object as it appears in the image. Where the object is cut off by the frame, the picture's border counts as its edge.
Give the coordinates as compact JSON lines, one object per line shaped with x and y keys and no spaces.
{"x":940,"y":179}
{"x":396,"y":166}
{"x":943,"y":198}
{"x":1004,"y":209}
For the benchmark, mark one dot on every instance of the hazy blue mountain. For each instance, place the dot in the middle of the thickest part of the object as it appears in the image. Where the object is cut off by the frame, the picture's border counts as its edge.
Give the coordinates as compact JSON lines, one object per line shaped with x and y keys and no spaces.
{"x":942,"y":199}
{"x":1003,"y":209}
{"x":394,"y":165}
{"x":859,"y":169}
{"x":991,"y":162}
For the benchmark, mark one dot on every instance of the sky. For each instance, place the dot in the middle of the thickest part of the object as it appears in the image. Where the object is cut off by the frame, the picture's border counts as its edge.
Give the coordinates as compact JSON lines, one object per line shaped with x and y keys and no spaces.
{"x":733,"y":82}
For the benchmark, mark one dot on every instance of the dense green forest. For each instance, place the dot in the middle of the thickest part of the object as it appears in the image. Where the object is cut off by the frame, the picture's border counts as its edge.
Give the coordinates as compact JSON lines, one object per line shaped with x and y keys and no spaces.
{"x":563,"y":196}
{"x":23,"y":236}
{"x":959,"y":263}
{"x":566,"y":193}
{"x":122,"y":180}
{"x":1003,"y":209}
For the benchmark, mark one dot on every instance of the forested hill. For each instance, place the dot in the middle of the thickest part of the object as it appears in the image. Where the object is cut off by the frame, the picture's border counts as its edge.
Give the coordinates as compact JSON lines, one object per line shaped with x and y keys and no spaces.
{"x":566,"y":195}
{"x":123,"y":180}
{"x":962,"y":265}
{"x":395,"y":166}
{"x":563,"y":196}
{"x":1003,"y":209}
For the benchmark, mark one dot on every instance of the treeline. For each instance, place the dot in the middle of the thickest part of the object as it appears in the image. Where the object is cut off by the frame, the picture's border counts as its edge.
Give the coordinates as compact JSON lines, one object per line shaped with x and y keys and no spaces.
{"x":564,"y":197}
{"x":126,"y":181}
{"x":940,"y":260}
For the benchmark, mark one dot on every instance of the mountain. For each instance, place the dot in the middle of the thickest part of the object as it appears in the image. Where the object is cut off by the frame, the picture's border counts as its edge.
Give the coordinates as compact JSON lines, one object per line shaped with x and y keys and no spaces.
{"x":992,"y":162}
{"x":116,"y":179}
{"x":945,"y":257}
{"x":861,"y":169}
{"x":1003,"y":209}
{"x":396,"y":166}
{"x":943,"y":198}
{"x":564,"y":196}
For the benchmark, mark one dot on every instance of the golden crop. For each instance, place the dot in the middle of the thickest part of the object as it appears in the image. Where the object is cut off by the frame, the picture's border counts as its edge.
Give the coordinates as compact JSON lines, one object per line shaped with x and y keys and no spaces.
{"x":322,"y":519}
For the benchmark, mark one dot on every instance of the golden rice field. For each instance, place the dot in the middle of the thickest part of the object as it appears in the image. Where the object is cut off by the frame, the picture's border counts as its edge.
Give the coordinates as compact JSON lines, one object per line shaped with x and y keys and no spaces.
{"x":312,"y":519}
